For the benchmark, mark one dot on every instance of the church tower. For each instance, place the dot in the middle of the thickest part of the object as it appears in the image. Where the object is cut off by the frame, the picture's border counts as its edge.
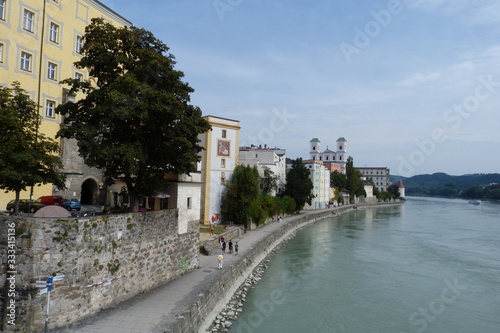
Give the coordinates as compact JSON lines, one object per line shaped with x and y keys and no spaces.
{"x":314,"y":150}
{"x":341,"y":150}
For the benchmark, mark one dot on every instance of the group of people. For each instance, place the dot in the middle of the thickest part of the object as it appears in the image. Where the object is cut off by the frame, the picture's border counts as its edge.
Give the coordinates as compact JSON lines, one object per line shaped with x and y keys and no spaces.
{"x":222,"y":243}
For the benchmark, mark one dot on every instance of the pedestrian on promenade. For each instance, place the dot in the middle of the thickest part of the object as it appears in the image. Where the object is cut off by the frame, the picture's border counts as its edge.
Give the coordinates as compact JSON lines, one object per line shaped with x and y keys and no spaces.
{"x":236,"y":248}
{"x":230,"y":246}
{"x":223,"y":244}
{"x":220,"y":259}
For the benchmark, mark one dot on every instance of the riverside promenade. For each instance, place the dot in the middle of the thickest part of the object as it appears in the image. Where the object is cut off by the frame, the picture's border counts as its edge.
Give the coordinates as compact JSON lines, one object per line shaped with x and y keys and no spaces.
{"x":159,"y":309}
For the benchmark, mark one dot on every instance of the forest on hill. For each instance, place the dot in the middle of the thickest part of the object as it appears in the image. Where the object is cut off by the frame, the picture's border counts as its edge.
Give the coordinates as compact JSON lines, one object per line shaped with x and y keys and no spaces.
{"x":471,"y":186}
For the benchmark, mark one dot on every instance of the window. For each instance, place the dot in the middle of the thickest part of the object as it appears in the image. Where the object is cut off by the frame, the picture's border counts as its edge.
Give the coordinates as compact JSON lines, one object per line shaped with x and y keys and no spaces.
{"x":223,"y":163}
{"x":54,"y":32}
{"x":28,"y":21}
{"x":26,"y":61}
{"x":79,"y":76}
{"x":49,"y":109}
{"x":1,"y":52}
{"x":2,"y":9}
{"x":224,"y":133}
{"x":52,"y":71}
{"x":189,"y":203}
{"x":79,"y":44}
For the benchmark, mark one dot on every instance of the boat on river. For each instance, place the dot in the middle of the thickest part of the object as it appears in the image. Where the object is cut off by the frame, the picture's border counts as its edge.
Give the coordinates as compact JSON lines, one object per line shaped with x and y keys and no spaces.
{"x":475,"y":202}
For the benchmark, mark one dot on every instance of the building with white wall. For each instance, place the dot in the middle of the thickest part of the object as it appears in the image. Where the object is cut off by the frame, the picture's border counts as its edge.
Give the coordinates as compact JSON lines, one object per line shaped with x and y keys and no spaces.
{"x":320,"y":177}
{"x":339,"y":156}
{"x":218,"y":160}
{"x":379,"y":175}
{"x":264,"y":157}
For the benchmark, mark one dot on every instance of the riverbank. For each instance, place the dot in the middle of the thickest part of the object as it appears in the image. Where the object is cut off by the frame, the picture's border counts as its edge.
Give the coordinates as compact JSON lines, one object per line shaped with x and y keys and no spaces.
{"x":192,"y":302}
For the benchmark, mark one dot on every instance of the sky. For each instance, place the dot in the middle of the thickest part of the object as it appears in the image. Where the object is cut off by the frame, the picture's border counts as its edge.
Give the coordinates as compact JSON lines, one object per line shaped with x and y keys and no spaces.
{"x":412,"y":85}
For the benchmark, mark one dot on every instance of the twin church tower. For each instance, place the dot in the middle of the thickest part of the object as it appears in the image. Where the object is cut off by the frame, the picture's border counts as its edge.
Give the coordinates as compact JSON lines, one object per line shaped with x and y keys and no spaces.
{"x":329,"y":156}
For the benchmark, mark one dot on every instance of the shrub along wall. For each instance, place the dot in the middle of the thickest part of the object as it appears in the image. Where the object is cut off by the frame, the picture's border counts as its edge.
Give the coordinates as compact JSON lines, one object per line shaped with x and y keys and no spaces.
{"x":133,"y":252}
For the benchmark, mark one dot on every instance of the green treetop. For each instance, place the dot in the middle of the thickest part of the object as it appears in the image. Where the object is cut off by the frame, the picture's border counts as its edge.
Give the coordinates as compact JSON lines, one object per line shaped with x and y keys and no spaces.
{"x":135,"y":121}
{"x":27,"y":157}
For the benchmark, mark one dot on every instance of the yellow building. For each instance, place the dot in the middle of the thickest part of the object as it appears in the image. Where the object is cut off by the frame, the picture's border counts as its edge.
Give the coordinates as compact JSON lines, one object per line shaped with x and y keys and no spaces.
{"x":219,"y":158}
{"x":39,"y":42}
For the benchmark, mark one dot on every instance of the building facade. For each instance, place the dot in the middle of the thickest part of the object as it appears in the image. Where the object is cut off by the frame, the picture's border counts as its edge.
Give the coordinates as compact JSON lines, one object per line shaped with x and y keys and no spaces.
{"x":336,"y":159}
{"x":39,"y":42}
{"x":218,"y":160}
{"x":381,"y":176}
{"x":273,"y":159}
{"x":320,"y":177}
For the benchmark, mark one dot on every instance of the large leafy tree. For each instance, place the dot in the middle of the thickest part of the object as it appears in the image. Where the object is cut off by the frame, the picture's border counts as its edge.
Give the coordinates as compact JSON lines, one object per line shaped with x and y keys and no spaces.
{"x":242,"y":191}
{"x":355,"y":185}
{"x":298,"y":184}
{"x":269,"y":182}
{"x":135,"y":121}
{"x":27,"y":157}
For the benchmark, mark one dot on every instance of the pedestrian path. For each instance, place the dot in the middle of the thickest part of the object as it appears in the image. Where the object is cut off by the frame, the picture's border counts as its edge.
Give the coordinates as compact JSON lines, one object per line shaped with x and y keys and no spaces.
{"x":149,"y":312}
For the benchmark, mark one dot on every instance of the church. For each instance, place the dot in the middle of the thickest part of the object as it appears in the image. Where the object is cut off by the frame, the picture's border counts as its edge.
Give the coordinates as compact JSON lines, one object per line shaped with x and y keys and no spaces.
{"x":334,"y":160}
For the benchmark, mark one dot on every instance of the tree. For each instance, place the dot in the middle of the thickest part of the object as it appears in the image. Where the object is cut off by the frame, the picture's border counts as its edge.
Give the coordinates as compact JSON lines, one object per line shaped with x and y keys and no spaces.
{"x":269,"y":182}
{"x":242,"y":191}
{"x":355,"y":185}
{"x":135,"y":121}
{"x":394,"y":190}
{"x":338,"y":180}
{"x":298,"y":184}
{"x":27,"y":157}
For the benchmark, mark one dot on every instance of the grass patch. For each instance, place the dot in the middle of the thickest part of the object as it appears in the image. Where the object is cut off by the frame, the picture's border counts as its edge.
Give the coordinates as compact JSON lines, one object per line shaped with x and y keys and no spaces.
{"x":218,"y":229}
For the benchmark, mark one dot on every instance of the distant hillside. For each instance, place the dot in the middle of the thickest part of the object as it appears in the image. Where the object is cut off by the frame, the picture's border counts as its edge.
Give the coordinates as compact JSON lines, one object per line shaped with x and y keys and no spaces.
{"x":430,"y":184}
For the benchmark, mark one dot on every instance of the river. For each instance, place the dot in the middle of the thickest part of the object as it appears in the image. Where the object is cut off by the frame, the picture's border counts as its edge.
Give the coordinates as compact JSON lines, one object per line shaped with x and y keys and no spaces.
{"x":431,"y":265}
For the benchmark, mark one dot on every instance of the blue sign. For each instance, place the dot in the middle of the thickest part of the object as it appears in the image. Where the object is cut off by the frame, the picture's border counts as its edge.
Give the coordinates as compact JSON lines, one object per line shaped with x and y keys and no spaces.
{"x":49,"y":283}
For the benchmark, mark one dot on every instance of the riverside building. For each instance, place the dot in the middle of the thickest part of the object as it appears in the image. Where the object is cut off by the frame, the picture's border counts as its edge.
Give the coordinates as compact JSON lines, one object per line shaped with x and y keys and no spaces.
{"x":39,"y":42}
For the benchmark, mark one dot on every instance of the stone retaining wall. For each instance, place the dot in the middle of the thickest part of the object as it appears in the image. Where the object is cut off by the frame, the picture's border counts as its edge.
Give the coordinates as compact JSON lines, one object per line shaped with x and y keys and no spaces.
{"x":133,"y":252}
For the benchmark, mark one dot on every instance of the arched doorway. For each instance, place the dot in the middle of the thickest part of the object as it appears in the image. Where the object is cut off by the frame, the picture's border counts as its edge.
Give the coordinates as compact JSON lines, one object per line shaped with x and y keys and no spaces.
{"x":89,"y":192}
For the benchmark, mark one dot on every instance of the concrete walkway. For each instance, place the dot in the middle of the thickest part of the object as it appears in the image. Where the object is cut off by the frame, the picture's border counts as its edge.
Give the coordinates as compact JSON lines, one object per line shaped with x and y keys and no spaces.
{"x":151,"y":312}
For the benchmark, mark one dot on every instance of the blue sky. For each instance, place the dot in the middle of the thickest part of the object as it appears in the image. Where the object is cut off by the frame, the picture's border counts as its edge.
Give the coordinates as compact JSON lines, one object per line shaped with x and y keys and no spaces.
{"x":413,"y":85}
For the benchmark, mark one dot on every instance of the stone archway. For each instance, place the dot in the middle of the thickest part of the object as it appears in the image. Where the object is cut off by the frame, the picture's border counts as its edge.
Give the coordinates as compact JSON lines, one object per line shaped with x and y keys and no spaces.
{"x":89,"y":192}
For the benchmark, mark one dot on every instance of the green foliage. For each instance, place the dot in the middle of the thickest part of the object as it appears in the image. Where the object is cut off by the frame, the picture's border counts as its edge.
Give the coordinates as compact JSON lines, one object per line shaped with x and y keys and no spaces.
{"x":286,"y":205}
{"x":440,"y":184}
{"x":269,"y":182}
{"x":27,"y":157}
{"x":298,"y":184}
{"x":394,"y":190}
{"x":355,"y":185}
{"x":242,"y":190}
{"x":135,"y":121}
{"x":338,"y":180}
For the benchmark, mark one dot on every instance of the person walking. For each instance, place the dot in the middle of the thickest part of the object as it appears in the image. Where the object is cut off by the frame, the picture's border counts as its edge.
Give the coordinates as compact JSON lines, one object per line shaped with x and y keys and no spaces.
{"x":230,"y":246}
{"x":223,"y":244}
{"x":220,"y":259}
{"x":236,"y":248}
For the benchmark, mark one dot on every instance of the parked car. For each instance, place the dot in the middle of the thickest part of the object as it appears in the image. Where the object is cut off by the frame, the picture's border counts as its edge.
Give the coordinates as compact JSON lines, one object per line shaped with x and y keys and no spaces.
{"x":52,"y":200}
{"x":24,"y":206}
{"x":71,"y":204}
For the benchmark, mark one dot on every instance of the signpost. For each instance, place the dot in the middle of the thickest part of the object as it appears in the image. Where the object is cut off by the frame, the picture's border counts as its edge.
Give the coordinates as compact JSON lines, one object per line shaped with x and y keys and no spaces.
{"x":47,"y":287}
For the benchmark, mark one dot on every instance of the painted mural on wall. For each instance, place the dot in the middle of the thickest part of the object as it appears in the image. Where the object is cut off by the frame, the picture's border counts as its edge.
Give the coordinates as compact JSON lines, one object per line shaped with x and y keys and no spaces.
{"x":223,"y":147}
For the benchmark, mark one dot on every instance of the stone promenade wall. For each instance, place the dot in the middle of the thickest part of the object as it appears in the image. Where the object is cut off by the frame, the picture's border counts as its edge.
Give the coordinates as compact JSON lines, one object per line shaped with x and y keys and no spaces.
{"x":211,"y":301}
{"x":133,"y":252}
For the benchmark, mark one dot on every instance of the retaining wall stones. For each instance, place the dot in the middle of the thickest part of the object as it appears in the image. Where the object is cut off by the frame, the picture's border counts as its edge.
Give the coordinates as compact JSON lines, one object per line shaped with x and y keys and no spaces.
{"x":133,"y":252}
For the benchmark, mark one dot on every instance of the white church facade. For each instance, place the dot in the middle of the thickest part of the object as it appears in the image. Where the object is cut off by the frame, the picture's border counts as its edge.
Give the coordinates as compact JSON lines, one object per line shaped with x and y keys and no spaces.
{"x":339,"y":156}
